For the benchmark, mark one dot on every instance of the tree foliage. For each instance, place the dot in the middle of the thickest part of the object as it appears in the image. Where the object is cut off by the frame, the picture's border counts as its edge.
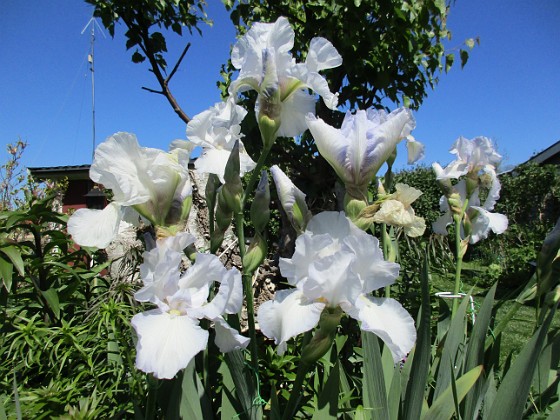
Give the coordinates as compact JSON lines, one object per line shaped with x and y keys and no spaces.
{"x":393,"y":50}
{"x":145,"y":21}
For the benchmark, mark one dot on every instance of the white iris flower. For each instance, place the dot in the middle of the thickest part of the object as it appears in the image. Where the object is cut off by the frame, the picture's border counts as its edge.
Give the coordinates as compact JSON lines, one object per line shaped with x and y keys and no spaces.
{"x":335,"y":264}
{"x":266,"y":65}
{"x":473,"y":155}
{"x":216,"y":131}
{"x":481,"y":219}
{"x":364,"y":142}
{"x":170,"y":336}
{"x":153,"y":183}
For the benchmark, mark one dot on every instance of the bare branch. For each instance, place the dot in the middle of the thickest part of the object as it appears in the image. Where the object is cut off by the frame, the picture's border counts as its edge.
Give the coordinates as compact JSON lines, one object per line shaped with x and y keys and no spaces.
{"x":161,"y":92}
{"x":178,"y":63}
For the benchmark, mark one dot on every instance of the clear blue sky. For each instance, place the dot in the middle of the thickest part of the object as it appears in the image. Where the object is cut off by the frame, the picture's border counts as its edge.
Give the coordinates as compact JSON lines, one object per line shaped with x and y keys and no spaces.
{"x":509,"y":90}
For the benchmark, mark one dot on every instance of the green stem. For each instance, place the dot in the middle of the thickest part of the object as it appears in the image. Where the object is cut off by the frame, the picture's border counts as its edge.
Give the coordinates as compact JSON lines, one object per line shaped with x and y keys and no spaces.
{"x":152,"y":397}
{"x":254,"y":176}
{"x":385,"y":244}
{"x":248,"y":292}
{"x":295,"y":395}
{"x":458,"y":265}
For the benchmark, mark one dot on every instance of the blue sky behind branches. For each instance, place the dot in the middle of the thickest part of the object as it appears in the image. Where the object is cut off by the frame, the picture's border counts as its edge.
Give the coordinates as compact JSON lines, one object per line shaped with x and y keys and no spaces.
{"x":509,"y":90}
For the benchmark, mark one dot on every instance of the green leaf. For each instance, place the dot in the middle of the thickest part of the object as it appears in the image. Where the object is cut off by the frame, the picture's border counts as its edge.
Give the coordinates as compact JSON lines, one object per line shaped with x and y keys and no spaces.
{"x":51,"y":296}
{"x":414,"y":398}
{"x":374,"y":390}
{"x":394,"y":396}
{"x":189,"y":406}
{"x":137,"y":57}
{"x":244,"y":380}
{"x":14,"y":254}
{"x":328,"y":399}
{"x":454,"y":338}
{"x":227,"y":406}
{"x":470,"y":43}
{"x":464,"y":57}
{"x":475,"y":350}
{"x":514,"y":389}
{"x":449,"y":59}
{"x":443,"y":407}
{"x":6,"y":271}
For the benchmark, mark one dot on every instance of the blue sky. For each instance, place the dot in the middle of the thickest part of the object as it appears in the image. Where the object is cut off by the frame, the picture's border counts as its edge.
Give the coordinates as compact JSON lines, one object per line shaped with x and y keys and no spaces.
{"x":509,"y":91}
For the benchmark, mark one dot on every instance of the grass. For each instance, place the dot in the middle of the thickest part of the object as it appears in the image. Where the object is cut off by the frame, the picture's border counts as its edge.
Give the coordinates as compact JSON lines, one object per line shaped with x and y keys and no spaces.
{"x":521,"y":327}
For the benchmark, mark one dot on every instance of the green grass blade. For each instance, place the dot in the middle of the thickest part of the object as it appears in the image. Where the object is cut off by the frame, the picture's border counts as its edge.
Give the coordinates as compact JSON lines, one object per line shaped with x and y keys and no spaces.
{"x":189,"y":406}
{"x":375,"y":395}
{"x":444,"y":407}
{"x":416,"y":384}
{"x":513,"y":391}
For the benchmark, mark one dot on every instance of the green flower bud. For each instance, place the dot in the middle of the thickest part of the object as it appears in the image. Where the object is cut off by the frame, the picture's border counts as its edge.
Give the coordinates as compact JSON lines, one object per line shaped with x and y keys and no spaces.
{"x":255,"y":254}
{"x":324,"y":336}
{"x":216,"y":240}
{"x":270,"y":104}
{"x":260,"y":208}
{"x":353,"y":209}
{"x":223,"y":211}
{"x":212,"y":190}
{"x":471,"y":182}
{"x":233,"y":188}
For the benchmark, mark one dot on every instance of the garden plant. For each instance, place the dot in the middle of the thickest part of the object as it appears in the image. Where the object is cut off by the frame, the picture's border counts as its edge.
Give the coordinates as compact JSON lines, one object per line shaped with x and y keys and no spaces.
{"x":179,"y":334}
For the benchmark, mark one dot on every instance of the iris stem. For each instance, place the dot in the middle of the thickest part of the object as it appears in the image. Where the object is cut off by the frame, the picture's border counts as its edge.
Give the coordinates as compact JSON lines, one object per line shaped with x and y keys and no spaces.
{"x":248,"y":292}
{"x":385,"y":244}
{"x":458,"y":265}
{"x":255,"y":175}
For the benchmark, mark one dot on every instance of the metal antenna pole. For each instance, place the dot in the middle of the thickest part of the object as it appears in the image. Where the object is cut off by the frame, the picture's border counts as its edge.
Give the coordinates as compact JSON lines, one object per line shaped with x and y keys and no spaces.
{"x":91,"y":61}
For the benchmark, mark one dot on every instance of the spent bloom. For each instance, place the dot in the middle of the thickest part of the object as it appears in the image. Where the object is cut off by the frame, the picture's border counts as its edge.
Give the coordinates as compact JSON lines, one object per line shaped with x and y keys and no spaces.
{"x":335,"y":266}
{"x":266,"y":65}
{"x":170,"y":335}
{"x":396,"y":210}
{"x":216,"y":130}
{"x":150,"y":182}
{"x":364,"y":142}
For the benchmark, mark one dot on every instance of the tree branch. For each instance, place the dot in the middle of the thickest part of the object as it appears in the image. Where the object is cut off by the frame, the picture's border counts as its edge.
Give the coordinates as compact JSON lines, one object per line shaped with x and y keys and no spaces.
{"x":161,"y":92}
{"x":178,"y":63}
{"x":145,"y":45}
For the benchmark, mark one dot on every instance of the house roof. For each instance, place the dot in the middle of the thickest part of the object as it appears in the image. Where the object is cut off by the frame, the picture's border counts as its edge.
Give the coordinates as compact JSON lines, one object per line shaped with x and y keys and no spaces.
{"x":57,"y":172}
{"x":70,"y":172}
{"x":548,"y":155}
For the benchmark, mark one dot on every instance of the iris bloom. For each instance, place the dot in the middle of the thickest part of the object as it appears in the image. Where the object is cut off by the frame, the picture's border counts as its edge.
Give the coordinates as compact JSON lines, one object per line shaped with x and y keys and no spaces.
{"x":266,"y":65}
{"x":151,"y":182}
{"x":335,"y":264}
{"x":216,"y":131}
{"x":396,"y":210}
{"x":364,"y":142}
{"x":292,"y":199}
{"x":481,"y":219}
{"x":170,"y":335}
{"x":473,"y":155}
